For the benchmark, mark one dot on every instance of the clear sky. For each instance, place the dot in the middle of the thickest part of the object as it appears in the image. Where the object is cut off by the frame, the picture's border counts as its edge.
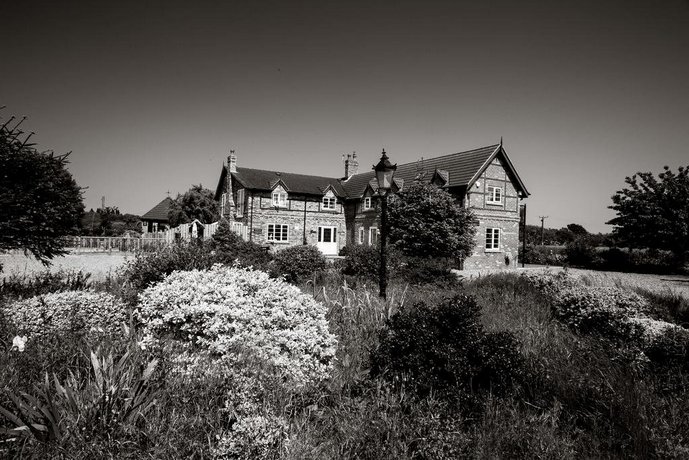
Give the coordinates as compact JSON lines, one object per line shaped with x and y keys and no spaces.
{"x":151,"y":96}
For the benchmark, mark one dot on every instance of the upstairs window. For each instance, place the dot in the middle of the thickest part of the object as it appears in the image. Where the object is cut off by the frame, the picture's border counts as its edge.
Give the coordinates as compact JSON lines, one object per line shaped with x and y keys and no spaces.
{"x":329,"y":201}
{"x":361,"y":235}
{"x":279,"y":198}
{"x":492,"y":239}
{"x":223,"y":199}
{"x":494,"y":195}
{"x":367,"y":203}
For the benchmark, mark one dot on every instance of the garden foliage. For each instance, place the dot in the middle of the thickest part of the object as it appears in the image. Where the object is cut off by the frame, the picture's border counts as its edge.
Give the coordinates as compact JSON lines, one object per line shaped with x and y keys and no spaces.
{"x":612,"y":313}
{"x":298,"y":263}
{"x":233,"y":311}
{"x":40,"y":203}
{"x":426,"y":221}
{"x":66,"y":311}
{"x":444,"y":348}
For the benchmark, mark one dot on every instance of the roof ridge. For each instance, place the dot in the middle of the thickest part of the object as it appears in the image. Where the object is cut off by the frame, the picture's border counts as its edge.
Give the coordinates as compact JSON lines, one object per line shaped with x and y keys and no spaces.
{"x":287,"y":172}
{"x":492,"y":146}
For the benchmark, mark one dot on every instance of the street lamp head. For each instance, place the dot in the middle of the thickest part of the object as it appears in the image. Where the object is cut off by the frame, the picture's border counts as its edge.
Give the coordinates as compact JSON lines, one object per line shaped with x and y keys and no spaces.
{"x":384,"y":173}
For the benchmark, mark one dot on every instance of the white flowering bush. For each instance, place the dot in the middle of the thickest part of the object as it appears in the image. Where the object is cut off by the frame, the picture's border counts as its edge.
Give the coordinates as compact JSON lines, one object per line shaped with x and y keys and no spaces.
{"x":233,"y":311}
{"x":77,"y":311}
{"x":612,"y":312}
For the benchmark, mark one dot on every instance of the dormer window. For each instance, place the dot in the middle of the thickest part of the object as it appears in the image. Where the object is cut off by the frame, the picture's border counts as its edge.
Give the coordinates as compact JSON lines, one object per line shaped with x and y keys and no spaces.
{"x":367,"y":203}
{"x":279,"y":198}
{"x":329,"y":201}
{"x":494,"y":195}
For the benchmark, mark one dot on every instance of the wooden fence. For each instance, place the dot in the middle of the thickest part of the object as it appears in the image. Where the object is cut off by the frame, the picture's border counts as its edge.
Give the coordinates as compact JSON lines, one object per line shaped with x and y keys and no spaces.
{"x":149,"y":241}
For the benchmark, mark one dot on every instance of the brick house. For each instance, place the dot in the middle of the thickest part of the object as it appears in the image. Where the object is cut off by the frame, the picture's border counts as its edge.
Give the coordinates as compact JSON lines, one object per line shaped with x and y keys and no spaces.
{"x":278,"y":208}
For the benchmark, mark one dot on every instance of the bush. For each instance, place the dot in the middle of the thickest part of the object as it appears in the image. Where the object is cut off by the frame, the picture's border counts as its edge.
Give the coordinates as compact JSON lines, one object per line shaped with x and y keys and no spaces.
{"x":444,"y":348}
{"x":78,"y":311}
{"x":298,"y":263}
{"x":581,"y":253}
{"x":231,"y":249}
{"x":151,"y":267}
{"x":231,"y":311}
{"x":360,"y":260}
{"x":544,"y":255}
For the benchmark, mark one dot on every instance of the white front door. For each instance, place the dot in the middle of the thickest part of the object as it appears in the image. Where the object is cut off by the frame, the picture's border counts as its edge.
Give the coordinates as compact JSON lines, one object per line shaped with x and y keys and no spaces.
{"x":327,"y":240}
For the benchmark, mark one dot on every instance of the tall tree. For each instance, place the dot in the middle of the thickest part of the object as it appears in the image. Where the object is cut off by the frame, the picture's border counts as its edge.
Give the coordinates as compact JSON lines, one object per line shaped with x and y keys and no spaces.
{"x":426,"y":221}
{"x":196,"y":203}
{"x":40,"y":203}
{"x":654,"y":212}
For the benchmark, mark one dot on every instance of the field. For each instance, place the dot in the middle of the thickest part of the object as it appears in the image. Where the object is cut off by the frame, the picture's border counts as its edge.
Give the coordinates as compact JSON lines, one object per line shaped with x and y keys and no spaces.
{"x":534,"y":366}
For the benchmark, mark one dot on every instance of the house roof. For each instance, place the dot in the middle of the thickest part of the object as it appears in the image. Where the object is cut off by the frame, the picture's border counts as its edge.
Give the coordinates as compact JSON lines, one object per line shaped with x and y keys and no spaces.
{"x":463,"y":169}
{"x":456,"y":170}
{"x":159,"y":211}
{"x":261,"y":179}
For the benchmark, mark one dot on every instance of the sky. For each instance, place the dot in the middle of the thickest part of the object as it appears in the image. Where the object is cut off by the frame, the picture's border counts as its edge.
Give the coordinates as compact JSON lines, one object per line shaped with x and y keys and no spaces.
{"x":150,"y":97}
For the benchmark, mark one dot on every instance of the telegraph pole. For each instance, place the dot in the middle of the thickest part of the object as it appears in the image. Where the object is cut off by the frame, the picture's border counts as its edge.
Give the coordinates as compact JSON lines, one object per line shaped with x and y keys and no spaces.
{"x":543,"y":218}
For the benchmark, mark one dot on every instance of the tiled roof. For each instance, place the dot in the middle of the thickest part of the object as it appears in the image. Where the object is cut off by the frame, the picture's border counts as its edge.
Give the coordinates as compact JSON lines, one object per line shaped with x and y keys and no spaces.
{"x":159,"y":211}
{"x":260,"y":179}
{"x":461,"y":168}
{"x":457,"y":169}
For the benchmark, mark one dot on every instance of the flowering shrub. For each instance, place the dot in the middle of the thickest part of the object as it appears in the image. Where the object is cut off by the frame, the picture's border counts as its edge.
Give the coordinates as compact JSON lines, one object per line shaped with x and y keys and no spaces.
{"x":80,"y":311}
{"x":611,"y":312}
{"x":232,"y":311}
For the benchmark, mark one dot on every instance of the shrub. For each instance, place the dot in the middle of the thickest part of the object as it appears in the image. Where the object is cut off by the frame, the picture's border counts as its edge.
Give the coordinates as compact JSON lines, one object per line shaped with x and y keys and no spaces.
{"x":230,"y":248}
{"x":544,"y":255}
{"x":601,"y":310}
{"x":299,"y":263}
{"x":231,"y":311}
{"x":444,"y":347}
{"x":151,"y":267}
{"x":360,"y":260}
{"x":79,"y":311}
{"x":581,"y":252}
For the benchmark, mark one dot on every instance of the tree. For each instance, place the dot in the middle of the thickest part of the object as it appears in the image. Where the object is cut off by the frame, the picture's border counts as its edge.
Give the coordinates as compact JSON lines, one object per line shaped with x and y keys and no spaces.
{"x":40,"y":203}
{"x":654,"y":212}
{"x":196,"y":203}
{"x":426,"y":221}
{"x":577,"y":230}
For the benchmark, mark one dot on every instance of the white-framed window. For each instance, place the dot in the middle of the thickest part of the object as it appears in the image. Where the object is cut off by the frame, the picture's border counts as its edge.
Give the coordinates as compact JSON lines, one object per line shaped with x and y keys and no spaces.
{"x":494,"y":195}
{"x":279,"y":198}
{"x":362,"y":232}
{"x":155,"y":227}
{"x":240,"y":203}
{"x":223,"y":199}
{"x":329,"y":201}
{"x":493,"y":239}
{"x":278,"y":233}
{"x":327,"y":234}
{"x":367,"y":203}
{"x":373,"y":234}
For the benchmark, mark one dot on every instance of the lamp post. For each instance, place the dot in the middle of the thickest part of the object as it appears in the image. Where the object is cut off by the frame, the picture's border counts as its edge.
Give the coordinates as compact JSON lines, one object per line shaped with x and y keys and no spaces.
{"x":384,"y":173}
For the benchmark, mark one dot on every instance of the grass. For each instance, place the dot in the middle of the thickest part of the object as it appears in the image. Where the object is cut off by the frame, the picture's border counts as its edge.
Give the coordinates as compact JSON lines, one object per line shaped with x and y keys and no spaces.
{"x":582,"y":398}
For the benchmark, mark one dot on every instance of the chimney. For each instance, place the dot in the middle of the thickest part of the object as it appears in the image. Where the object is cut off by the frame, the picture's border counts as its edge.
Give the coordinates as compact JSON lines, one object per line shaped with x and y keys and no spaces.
{"x":351,"y":165}
{"x":232,"y":162}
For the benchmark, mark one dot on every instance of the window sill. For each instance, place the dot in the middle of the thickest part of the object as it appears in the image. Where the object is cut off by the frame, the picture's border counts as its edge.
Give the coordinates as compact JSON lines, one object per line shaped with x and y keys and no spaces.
{"x":493,"y":250}
{"x":277,"y":242}
{"x":494,"y":203}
